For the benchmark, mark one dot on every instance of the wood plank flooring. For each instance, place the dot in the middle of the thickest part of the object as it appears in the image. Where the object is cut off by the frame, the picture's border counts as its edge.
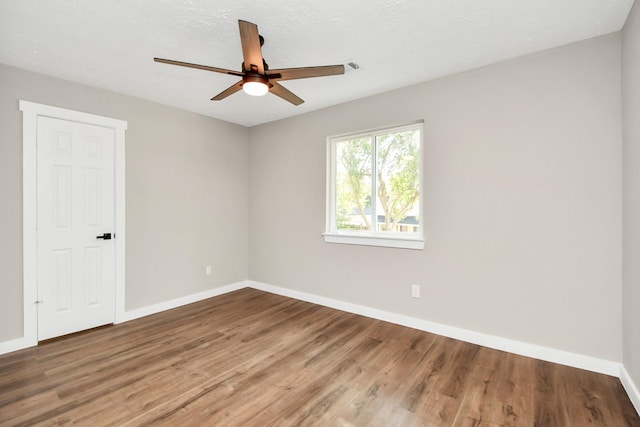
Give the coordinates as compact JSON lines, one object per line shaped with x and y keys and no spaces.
{"x":250,"y":358}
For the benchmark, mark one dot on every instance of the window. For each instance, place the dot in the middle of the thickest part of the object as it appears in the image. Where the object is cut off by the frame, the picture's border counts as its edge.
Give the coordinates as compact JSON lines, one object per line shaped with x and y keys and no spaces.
{"x":374,"y":184}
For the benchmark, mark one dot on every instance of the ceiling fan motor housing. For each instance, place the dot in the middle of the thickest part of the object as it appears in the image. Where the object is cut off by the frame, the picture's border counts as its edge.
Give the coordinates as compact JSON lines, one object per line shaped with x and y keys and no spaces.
{"x":255,"y":78}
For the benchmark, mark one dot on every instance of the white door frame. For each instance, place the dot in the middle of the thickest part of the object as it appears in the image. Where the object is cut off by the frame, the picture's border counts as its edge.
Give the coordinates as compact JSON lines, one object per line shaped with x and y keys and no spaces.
{"x":31,"y":111}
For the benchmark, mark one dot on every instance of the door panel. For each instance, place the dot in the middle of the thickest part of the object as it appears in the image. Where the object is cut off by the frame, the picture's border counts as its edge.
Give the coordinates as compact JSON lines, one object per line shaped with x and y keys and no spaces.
{"x":76,"y":271}
{"x":61,"y":279}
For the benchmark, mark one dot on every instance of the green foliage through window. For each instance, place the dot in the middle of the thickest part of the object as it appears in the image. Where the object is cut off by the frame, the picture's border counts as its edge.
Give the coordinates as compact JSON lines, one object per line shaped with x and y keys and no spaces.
{"x":377,"y":181}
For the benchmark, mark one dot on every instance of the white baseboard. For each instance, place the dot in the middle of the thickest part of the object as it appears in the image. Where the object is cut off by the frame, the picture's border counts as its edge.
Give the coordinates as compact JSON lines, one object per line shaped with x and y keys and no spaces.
{"x":15,"y":345}
{"x":178,"y":302}
{"x":630,"y":387}
{"x":512,"y":346}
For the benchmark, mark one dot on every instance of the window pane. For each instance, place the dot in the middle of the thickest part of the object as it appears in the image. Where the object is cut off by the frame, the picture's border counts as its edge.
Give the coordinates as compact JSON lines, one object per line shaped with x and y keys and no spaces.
{"x":398,"y":181}
{"x":353,"y":184}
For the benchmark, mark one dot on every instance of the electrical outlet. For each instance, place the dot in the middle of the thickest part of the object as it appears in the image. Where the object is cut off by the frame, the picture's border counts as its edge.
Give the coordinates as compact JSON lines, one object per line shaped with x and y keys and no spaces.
{"x":207,"y":270}
{"x":415,"y":291}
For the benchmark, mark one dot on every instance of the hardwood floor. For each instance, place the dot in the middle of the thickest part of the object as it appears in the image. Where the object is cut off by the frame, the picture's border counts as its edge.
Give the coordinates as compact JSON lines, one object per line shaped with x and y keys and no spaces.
{"x":251,"y":358}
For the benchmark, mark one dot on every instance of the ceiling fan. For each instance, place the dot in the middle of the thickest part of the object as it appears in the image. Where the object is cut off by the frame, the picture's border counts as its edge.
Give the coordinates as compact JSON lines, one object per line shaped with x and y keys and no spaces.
{"x":257,"y":78}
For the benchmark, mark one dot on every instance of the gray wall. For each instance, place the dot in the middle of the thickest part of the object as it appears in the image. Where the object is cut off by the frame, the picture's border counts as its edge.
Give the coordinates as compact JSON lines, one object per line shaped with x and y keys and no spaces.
{"x":631,"y":129}
{"x":186,"y":183}
{"x":522,"y":203}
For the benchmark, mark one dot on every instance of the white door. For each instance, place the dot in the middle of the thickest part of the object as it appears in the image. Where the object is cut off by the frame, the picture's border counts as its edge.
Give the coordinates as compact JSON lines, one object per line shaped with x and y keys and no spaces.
{"x":75,"y":208}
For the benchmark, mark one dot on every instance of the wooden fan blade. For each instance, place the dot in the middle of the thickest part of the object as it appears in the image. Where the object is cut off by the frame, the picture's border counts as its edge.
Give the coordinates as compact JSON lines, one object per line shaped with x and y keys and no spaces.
{"x":284,"y":93}
{"x":228,"y":91}
{"x":200,"y":67}
{"x":305,"y":72}
{"x":251,"y":47}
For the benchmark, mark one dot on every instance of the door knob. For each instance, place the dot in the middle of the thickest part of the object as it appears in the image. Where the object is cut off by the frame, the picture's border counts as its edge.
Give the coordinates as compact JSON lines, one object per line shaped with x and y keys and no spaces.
{"x":105,"y":236}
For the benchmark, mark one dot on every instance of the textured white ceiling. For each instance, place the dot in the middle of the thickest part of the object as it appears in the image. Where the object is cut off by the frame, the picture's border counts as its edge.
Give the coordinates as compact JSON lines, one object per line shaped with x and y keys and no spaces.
{"x":111,"y":43}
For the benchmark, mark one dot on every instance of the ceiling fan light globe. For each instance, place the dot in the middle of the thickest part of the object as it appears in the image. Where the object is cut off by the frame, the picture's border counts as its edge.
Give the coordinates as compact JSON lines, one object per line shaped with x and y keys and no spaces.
{"x":255,"y":88}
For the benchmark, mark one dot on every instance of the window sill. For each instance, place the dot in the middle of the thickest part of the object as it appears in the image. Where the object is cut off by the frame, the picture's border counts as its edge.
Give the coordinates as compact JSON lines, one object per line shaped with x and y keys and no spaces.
{"x":388,"y":242}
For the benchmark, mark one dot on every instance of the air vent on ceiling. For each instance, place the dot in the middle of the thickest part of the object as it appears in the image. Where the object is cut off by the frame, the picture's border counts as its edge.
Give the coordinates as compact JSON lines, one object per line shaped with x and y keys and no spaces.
{"x":350,"y":65}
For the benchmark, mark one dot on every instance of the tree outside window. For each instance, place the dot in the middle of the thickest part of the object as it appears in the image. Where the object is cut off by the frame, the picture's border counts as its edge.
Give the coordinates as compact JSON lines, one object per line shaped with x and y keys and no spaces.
{"x":376,"y":177}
